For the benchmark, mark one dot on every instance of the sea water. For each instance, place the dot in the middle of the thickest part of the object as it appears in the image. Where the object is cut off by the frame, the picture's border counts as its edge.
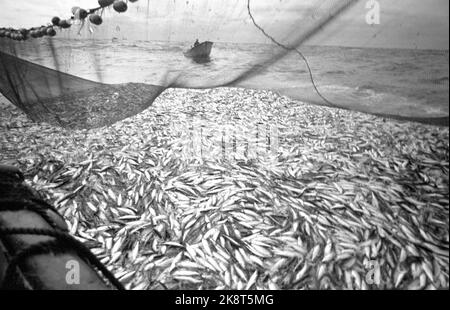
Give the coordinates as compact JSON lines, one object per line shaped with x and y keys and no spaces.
{"x":395,"y":81}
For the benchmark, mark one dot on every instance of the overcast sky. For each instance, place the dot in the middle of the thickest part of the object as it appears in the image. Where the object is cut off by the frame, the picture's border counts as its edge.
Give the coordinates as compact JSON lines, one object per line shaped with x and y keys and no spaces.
{"x":404,"y":23}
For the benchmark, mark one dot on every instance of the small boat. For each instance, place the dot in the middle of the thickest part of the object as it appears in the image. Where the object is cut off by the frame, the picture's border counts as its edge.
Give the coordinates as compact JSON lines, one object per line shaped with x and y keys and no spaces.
{"x":202,"y":50}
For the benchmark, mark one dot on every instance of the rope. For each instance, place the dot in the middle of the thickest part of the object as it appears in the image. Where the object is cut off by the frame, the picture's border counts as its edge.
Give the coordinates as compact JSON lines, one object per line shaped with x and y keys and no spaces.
{"x":63,"y":242}
{"x":37,"y":32}
{"x":36,"y":205}
{"x":271,"y":38}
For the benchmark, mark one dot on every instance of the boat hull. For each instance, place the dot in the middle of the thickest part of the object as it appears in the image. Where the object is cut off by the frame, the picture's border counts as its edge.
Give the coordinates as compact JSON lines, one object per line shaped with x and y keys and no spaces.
{"x":202,"y":50}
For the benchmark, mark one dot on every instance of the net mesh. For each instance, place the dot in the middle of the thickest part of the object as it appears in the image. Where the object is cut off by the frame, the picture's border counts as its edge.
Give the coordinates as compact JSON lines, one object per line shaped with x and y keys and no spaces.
{"x":235,"y":187}
{"x":98,"y":62}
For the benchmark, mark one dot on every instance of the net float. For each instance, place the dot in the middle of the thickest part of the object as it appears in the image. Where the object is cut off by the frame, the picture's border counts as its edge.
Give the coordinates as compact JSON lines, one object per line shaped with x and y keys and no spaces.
{"x":95,"y":19}
{"x":51,"y":32}
{"x":105,"y":3}
{"x":75,"y":9}
{"x":80,"y":14}
{"x":56,"y":20}
{"x":24,"y":32}
{"x":40,"y":32}
{"x":64,"y":24}
{"x":120,"y":6}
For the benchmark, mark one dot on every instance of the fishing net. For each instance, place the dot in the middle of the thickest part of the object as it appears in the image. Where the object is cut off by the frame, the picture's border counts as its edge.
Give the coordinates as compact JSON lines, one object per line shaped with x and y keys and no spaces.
{"x":265,"y":157}
{"x":86,"y":64}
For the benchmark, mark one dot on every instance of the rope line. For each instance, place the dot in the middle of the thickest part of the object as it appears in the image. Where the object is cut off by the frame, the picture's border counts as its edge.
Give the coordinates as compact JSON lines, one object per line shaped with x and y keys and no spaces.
{"x":289,"y":49}
{"x":81,"y":14}
{"x":271,"y":38}
{"x":63,"y":242}
{"x":35,"y":205}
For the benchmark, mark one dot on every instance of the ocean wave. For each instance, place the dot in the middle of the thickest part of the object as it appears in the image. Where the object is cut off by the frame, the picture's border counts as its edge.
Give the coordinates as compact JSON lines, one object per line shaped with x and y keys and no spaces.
{"x":400,"y":68}
{"x":335,"y":72}
{"x":374,"y":89}
{"x":440,"y":81}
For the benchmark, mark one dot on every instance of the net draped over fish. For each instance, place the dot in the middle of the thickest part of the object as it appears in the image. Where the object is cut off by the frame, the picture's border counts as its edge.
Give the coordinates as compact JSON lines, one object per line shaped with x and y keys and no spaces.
{"x":86,"y":64}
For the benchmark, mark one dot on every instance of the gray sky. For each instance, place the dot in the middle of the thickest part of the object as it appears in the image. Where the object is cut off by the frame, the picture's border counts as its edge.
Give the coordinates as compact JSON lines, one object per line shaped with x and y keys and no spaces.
{"x":404,"y":23}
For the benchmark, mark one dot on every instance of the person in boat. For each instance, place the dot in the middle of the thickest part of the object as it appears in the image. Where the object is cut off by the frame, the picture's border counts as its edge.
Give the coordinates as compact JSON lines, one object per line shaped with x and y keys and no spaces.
{"x":196,"y":43}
